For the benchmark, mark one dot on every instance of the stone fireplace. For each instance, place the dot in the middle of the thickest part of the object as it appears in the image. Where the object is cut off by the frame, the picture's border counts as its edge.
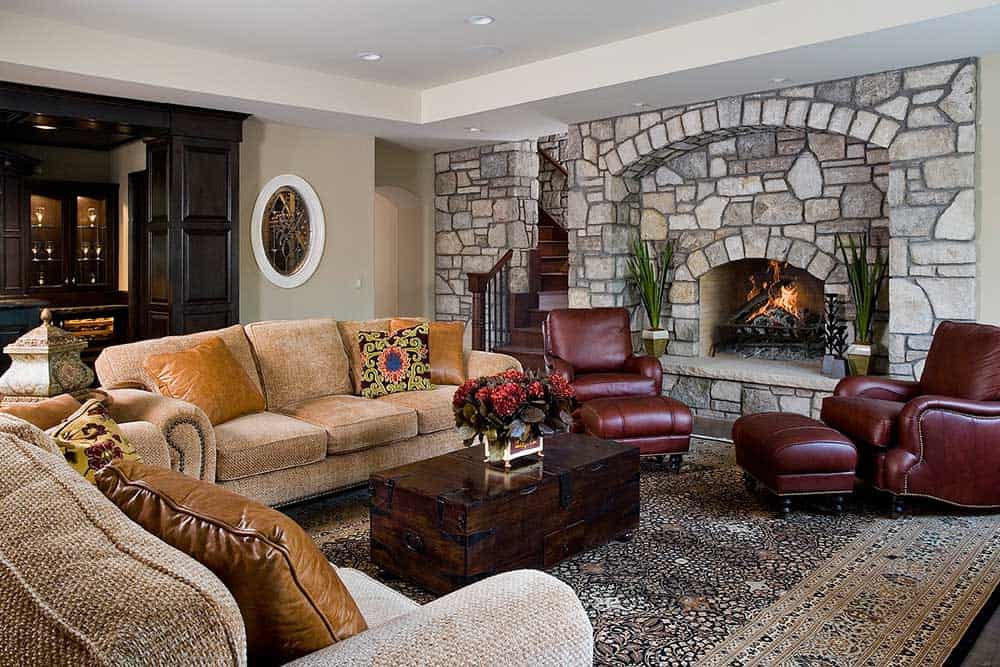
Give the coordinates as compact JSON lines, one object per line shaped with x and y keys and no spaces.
{"x":758,"y":188}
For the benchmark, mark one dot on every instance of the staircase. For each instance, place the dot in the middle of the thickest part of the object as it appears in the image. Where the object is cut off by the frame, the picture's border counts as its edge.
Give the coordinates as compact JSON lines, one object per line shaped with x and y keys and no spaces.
{"x":549,"y":280}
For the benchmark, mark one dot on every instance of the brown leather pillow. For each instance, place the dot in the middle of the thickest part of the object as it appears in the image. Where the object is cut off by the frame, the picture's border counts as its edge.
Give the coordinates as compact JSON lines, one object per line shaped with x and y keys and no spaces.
{"x":206,"y":375}
{"x":45,"y":414}
{"x":447,"y":353}
{"x":290,"y":597}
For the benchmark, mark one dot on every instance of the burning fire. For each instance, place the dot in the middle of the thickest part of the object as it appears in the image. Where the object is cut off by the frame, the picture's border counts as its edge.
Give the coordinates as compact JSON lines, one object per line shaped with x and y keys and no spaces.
{"x":781,"y":293}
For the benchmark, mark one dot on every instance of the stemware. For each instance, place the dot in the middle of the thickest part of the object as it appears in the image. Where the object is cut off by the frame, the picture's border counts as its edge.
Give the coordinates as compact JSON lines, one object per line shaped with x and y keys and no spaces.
{"x":92,"y":215}
{"x":85,"y":249}
{"x":39,"y":215}
{"x":50,"y":247}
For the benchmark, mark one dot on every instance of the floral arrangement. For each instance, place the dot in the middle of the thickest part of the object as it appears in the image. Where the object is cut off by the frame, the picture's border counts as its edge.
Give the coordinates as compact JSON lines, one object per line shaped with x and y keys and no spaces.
{"x":512,"y":406}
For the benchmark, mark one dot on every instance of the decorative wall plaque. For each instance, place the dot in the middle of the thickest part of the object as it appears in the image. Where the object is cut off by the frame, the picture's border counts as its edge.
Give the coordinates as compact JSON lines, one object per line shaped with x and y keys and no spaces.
{"x":288,"y":231}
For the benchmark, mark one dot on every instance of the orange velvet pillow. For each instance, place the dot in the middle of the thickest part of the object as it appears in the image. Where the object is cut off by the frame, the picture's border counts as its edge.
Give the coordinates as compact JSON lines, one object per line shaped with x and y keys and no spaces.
{"x":208,"y":376}
{"x":447,"y":353}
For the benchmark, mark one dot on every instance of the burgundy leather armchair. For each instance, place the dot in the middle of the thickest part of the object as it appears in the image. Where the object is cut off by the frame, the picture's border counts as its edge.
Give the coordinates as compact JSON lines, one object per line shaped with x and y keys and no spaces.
{"x":592,"y":349}
{"x":939,"y":437}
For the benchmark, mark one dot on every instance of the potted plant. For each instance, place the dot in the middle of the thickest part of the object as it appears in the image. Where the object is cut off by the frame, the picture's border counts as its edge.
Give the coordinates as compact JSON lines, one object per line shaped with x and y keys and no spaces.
{"x":866,"y":279}
{"x":511,"y":412}
{"x":648,"y":271}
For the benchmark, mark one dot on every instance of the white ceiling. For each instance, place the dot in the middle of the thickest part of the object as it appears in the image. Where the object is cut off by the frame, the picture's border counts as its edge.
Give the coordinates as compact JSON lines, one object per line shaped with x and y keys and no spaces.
{"x":424,"y":43}
{"x":724,"y":54}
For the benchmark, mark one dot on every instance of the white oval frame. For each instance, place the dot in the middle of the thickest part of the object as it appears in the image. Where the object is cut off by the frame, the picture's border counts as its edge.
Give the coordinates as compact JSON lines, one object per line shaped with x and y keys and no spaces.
{"x":317,"y":231}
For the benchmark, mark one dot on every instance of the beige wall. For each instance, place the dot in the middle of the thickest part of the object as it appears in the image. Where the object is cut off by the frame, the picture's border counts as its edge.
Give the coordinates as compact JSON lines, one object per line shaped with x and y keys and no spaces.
{"x":341,"y":169}
{"x":412,"y":174}
{"x":124,"y":160}
{"x":386,"y":256}
{"x":989,"y":189}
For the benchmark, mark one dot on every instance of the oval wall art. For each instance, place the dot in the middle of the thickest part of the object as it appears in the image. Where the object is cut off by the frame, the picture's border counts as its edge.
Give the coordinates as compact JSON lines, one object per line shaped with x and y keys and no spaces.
{"x":287,"y":231}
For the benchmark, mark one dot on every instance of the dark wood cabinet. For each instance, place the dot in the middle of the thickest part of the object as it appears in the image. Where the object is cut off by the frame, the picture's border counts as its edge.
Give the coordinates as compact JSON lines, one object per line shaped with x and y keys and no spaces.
{"x":71,"y":234}
{"x":14,"y":167}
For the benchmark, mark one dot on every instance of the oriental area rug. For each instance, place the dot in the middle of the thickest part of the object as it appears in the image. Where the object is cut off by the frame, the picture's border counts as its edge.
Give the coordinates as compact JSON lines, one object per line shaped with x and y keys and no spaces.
{"x":714,"y":577}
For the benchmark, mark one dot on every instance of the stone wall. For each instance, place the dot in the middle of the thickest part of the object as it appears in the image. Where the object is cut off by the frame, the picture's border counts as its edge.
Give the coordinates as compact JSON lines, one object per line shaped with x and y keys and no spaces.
{"x":925,"y":117}
{"x":552,"y":181}
{"x":486,"y":203}
{"x":729,"y":400}
{"x":776,"y":194}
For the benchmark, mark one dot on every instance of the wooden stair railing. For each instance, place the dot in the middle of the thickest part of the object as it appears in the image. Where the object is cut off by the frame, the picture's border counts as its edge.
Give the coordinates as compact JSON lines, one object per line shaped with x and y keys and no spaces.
{"x":551,"y":160}
{"x":491,"y":305}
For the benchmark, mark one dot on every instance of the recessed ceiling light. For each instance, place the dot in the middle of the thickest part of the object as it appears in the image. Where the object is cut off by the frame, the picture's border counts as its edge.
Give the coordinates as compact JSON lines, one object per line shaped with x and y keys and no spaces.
{"x":480,"y":20}
{"x":780,"y":79}
{"x":639,"y":105}
{"x":45,"y":127}
{"x":473,"y":129}
{"x":370,"y":56}
{"x":484,"y":51}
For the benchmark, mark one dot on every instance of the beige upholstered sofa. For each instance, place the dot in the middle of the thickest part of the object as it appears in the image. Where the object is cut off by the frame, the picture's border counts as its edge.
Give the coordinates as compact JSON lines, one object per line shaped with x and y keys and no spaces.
{"x":82,"y":585}
{"x":316,"y":435}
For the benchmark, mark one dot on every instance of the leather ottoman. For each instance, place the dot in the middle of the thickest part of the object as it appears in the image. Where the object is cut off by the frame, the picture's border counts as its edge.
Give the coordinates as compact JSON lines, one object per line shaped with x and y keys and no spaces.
{"x":658,"y":425}
{"x":793,"y":455}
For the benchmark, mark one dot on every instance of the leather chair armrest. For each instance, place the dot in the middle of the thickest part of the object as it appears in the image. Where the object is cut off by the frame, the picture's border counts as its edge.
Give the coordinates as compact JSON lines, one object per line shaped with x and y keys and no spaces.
{"x":557,"y":366}
{"x":926,"y":417}
{"x":882,"y":388}
{"x":646,"y":366}
{"x":186,"y":429}
{"x":522,"y":618}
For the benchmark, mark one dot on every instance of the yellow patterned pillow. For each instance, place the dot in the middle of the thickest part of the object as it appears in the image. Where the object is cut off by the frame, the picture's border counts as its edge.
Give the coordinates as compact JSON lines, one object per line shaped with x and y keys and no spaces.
{"x":396,"y":362}
{"x":90,"y":439}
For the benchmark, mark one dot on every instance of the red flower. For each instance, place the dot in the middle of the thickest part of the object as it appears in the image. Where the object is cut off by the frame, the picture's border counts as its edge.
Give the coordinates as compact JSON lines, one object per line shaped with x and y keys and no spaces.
{"x":512,"y":375}
{"x":484,"y":394}
{"x":560,"y":387}
{"x":536,"y":389}
{"x":462,"y":393}
{"x":507,"y":398}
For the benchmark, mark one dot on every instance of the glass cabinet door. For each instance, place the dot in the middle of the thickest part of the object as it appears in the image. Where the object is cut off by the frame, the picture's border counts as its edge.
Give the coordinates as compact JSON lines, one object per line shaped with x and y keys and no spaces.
{"x":46,"y":243}
{"x":91,"y":242}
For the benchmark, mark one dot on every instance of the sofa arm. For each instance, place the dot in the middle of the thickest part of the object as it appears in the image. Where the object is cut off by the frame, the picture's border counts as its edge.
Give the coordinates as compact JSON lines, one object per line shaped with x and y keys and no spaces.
{"x":149,"y":443}
{"x":882,"y":388}
{"x":479,"y":364}
{"x":646,"y":366}
{"x":186,"y":429}
{"x":947,"y":449}
{"x":522,"y":618}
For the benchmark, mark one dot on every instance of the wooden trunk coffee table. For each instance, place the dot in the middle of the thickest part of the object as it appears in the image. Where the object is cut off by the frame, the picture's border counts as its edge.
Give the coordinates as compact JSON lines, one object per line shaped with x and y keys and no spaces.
{"x":445,"y":522}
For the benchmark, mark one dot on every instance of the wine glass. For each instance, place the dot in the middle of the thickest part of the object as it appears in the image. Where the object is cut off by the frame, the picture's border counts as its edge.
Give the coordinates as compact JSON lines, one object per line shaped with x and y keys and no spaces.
{"x":97,"y":249}
{"x":50,"y":247}
{"x":92,"y":215}
{"x":41,"y":277}
{"x":93,"y":278}
{"x":85,"y":249}
{"x":39,"y":215}
{"x":35,"y":248}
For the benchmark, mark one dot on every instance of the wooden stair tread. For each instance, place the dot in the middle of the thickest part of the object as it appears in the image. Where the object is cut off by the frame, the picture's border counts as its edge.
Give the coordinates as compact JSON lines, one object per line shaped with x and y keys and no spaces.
{"x":519,"y":349}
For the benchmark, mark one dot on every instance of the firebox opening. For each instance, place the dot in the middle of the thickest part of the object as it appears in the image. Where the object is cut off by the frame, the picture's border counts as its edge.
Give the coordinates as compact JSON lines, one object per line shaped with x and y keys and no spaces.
{"x":761,"y":308}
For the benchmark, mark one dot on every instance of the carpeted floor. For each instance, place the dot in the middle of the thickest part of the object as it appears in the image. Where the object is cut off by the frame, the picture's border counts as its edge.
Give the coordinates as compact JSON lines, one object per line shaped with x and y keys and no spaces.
{"x":713,"y":577}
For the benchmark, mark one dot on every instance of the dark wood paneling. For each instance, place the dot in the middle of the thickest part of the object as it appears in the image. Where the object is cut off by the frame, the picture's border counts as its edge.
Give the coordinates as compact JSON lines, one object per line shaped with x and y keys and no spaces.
{"x":157,"y":160}
{"x":194,"y":322}
{"x":138,"y":209}
{"x":205,"y":180}
{"x":207,"y":253}
{"x":157,"y":324}
{"x":157,"y":274}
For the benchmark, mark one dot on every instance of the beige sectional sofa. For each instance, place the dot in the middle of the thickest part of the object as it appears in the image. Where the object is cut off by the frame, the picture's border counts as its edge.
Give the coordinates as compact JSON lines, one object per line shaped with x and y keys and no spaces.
{"x":316,"y":435}
{"x":82,"y":585}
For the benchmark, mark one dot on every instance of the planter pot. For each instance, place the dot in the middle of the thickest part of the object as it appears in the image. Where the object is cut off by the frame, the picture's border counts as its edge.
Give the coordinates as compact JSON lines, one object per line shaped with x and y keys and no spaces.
{"x":654,"y":341}
{"x":501,"y":452}
{"x":859,"y":357}
{"x":834,"y":367}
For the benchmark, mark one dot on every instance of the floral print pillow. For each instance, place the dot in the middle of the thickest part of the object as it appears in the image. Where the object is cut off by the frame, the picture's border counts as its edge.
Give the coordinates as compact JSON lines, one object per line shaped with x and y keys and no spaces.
{"x":90,"y":439}
{"x":391,"y":363}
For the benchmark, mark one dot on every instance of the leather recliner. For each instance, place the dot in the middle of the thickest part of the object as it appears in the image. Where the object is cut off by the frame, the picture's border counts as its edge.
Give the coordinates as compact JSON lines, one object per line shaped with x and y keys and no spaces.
{"x":592,"y":349}
{"x":939,"y":437}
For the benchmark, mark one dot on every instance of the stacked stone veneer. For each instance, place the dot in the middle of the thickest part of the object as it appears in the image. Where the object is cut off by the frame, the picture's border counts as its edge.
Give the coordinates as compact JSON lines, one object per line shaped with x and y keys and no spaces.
{"x":552,"y":180}
{"x":783,"y":195}
{"x":729,"y":400}
{"x":486,"y":203}
{"x":924,"y":116}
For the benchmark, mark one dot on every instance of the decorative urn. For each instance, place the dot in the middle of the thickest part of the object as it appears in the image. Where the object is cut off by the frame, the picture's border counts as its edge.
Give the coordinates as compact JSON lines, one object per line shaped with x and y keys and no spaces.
{"x":45,"y":362}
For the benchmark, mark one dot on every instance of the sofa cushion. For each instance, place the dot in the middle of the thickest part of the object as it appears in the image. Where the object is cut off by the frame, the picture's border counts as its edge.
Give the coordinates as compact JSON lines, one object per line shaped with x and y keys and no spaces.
{"x":446,"y":347}
{"x":395,"y":362}
{"x":120,"y":366}
{"x":300,"y":359}
{"x":265,"y":442}
{"x":44,"y":414}
{"x":353,"y":423}
{"x":292,"y":601}
{"x":349,"y":330}
{"x":208,"y":376}
{"x":963,"y":362}
{"x":84,"y":585}
{"x":433,"y":407}
{"x":90,"y":439}
{"x":378,"y":603}
{"x":866,"y":420}
{"x":611,"y":385}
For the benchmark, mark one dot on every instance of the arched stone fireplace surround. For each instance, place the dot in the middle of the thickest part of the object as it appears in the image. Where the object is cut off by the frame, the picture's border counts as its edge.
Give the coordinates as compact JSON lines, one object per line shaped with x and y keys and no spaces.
{"x":916,"y":128}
